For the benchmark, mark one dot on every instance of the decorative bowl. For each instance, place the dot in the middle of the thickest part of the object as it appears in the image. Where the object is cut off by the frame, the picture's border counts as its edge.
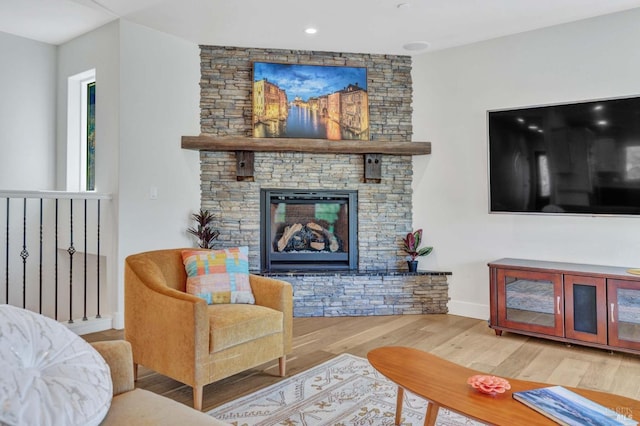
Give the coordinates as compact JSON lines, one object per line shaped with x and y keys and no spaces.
{"x":488,"y":384}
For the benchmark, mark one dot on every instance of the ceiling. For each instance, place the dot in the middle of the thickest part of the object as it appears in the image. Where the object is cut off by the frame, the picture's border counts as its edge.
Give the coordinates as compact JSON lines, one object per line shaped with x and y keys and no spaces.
{"x":365,"y":26}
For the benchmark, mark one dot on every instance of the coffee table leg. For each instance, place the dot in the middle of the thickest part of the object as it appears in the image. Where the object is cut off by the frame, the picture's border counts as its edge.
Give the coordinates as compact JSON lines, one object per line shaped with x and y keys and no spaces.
{"x":399,"y":402}
{"x":432,"y":414}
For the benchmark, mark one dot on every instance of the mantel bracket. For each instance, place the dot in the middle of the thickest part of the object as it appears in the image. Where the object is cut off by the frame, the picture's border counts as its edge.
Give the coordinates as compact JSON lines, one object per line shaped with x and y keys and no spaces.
{"x":244,"y":165}
{"x":373,"y":168}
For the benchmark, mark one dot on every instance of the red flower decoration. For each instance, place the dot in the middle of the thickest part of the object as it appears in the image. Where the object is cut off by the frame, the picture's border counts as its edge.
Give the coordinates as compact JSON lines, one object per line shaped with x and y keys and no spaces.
{"x":488,"y":384}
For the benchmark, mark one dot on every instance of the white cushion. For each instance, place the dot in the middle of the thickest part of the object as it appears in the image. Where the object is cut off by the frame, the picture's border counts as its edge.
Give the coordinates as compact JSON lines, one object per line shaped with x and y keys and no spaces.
{"x":48,"y":374}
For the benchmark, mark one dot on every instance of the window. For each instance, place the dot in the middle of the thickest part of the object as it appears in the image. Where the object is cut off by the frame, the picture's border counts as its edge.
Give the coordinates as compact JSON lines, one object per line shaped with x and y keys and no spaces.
{"x":81,"y":137}
{"x":632,"y":162}
{"x":544,"y":184}
{"x":90,"y":169}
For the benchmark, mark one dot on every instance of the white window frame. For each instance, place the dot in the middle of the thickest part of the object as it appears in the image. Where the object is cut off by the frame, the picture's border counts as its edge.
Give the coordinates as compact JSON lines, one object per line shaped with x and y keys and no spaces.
{"x":77,"y":130}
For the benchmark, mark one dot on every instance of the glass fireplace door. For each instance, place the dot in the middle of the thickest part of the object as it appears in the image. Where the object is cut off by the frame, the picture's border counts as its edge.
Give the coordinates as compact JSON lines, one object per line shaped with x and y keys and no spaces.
{"x":308,"y":230}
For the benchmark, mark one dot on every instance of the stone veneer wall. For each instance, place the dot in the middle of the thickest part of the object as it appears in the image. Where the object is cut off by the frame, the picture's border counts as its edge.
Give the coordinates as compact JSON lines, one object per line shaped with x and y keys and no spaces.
{"x":344,"y":294}
{"x":226,"y":81}
{"x":384,"y":209}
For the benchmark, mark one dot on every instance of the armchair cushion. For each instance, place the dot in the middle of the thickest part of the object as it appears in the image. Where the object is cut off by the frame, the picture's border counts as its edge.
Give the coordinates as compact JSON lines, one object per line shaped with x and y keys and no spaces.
{"x":233,"y":325}
{"x":219,"y":276}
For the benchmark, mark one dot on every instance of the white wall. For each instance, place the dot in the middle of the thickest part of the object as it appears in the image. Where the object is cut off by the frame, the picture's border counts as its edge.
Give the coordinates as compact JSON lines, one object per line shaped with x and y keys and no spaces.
{"x":27,"y":114}
{"x":147,"y":97}
{"x":160,"y":102}
{"x":453,"y":89}
{"x":97,"y":49}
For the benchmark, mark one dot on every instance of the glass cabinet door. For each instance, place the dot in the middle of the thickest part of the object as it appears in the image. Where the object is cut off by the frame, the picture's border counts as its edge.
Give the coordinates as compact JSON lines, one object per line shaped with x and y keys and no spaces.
{"x":623,"y":300}
{"x":530,"y":301}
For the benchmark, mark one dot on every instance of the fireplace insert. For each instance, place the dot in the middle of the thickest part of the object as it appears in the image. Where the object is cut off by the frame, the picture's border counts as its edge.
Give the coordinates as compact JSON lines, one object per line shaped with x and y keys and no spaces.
{"x":308,"y":229}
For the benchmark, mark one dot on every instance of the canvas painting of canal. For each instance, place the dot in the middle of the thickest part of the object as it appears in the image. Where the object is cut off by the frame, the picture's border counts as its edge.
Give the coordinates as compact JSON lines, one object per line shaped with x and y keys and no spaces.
{"x":310,"y":101}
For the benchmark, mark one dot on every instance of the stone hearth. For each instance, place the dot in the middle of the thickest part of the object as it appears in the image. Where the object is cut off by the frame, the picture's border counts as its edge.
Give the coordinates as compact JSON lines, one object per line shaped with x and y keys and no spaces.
{"x":362,"y":293}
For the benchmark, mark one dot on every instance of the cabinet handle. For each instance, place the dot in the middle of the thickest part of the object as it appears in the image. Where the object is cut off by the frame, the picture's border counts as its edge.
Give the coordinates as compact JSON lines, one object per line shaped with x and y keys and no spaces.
{"x":558,"y":304}
{"x":612,"y":309}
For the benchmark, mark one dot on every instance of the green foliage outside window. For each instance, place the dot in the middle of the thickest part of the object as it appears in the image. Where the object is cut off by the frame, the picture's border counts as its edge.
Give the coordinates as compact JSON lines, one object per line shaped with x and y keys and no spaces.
{"x":91,"y":136}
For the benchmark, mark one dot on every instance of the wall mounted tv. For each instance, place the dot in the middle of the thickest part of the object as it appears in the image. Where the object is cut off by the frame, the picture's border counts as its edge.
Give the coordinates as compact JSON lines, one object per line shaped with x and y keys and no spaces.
{"x":579,"y":158}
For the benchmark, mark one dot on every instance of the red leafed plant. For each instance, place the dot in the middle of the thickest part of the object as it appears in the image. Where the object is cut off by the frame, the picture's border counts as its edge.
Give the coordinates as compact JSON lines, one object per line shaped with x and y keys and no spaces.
{"x":411,"y":244}
{"x":204,"y":229}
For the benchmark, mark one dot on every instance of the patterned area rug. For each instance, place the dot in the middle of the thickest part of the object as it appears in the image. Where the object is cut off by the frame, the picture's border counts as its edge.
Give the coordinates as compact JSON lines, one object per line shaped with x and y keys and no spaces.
{"x":345,"y":390}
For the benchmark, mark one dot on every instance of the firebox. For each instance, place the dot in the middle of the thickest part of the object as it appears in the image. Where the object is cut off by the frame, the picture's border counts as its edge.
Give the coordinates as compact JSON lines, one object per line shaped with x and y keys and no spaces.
{"x":308,"y":229}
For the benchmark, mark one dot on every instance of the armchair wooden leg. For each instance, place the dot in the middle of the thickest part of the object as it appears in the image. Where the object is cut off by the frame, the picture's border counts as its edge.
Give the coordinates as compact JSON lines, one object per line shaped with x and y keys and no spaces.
{"x":282,"y":362}
{"x":135,"y":372}
{"x":197,"y":397}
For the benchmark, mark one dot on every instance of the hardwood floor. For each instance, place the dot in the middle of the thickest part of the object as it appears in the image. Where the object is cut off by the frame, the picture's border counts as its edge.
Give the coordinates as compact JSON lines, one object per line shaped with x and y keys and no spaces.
{"x":465,"y":341}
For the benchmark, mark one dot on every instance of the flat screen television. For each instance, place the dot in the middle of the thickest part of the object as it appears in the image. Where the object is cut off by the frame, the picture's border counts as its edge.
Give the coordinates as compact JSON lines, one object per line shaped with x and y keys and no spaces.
{"x":578,"y":158}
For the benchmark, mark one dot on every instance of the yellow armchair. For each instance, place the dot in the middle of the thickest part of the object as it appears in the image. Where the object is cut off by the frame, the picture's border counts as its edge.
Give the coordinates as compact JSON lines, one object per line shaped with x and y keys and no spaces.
{"x":179,"y":335}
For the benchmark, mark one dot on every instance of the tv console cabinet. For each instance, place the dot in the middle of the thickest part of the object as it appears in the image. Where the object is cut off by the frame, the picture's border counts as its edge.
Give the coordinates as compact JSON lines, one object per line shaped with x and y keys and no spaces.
{"x":574,"y":303}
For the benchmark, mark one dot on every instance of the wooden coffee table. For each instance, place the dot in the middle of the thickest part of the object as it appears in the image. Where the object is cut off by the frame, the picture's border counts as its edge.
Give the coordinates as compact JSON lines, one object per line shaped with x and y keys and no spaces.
{"x":444,"y":384}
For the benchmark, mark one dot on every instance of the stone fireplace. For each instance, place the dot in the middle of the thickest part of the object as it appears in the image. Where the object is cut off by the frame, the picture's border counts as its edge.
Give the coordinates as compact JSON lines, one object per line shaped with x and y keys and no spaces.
{"x":372,"y":279}
{"x":308,"y":230}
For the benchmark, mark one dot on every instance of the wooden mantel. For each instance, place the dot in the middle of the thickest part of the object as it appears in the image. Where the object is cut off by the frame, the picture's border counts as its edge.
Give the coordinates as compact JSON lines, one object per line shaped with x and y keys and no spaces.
{"x":324,"y":146}
{"x":245,"y":147}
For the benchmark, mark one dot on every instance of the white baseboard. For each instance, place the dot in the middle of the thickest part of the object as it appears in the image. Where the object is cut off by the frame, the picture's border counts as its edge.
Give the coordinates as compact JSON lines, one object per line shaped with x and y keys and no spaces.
{"x":466,"y":309}
{"x":91,"y":325}
{"x":118,"y":320}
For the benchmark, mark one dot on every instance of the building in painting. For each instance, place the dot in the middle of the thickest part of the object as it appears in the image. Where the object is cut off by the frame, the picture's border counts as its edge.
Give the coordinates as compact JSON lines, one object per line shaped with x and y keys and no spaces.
{"x":313,"y":104}
{"x":283,"y":112}
{"x":333,"y":107}
{"x":354,"y":111}
{"x":269,"y":102}
{"x":323,"y":105}
{"x":299,"y":102}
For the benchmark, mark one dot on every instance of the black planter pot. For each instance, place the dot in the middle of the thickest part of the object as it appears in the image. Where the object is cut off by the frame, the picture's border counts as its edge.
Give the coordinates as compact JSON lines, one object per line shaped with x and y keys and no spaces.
{"x":413,"y":265}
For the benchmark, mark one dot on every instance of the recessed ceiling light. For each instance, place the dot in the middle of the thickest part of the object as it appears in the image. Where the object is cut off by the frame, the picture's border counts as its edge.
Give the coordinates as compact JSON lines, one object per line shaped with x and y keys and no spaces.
{"x":311,"y":30}
{"x":416,"y":45}
{"x":602,"y":123}
{"x":520,"y":120}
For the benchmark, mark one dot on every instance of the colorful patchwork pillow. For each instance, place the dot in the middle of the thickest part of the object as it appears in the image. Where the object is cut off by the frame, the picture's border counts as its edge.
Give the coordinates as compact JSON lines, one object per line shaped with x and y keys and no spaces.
{"x":219,"y":276}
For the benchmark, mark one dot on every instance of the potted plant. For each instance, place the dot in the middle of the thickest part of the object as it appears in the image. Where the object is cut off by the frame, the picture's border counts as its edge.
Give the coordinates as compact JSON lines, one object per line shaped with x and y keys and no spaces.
{"x":411,"y":246}
{"x":204,"y":229}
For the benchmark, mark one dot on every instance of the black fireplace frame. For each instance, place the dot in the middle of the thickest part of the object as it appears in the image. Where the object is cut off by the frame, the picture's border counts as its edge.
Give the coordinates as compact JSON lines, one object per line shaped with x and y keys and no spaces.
{"x":308,"y":261}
